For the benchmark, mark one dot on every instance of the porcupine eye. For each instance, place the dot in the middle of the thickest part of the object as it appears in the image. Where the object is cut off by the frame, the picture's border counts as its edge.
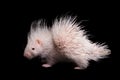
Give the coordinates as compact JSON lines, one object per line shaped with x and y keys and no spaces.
{"x":33,"y":48}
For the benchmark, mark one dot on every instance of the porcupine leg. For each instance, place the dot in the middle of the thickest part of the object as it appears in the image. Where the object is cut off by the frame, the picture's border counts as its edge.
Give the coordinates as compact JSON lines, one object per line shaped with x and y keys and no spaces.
{"x":49,"y":63}
{"x":80,"y":62}
{"x":81,"y":65}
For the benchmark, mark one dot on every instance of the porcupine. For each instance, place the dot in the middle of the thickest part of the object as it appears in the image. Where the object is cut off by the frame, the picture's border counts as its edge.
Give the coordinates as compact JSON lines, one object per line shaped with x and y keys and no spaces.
{"x":65,"y":41}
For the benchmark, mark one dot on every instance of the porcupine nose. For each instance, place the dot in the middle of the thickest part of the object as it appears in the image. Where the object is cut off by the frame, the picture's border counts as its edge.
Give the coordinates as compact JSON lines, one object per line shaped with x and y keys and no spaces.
{"x":28,"y":55}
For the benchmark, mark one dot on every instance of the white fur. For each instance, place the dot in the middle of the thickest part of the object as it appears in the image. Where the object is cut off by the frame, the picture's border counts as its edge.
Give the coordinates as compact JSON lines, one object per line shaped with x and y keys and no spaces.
{"x":65,"y":41}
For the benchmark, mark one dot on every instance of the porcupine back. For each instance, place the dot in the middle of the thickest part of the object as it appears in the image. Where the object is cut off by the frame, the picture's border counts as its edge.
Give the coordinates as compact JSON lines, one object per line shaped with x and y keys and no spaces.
{"x":70,"y":39}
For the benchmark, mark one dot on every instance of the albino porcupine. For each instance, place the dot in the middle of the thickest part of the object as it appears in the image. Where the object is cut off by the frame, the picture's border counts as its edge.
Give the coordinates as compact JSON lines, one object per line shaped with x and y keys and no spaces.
{"x":64,"y":41}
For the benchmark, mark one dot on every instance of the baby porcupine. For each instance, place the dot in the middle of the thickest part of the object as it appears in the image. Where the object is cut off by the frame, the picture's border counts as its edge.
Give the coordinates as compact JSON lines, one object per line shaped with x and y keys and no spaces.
{"x":64,"y":41}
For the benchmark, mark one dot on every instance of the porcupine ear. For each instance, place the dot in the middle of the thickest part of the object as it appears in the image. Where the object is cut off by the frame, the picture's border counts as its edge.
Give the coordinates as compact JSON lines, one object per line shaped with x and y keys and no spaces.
{"x":38,"y":41}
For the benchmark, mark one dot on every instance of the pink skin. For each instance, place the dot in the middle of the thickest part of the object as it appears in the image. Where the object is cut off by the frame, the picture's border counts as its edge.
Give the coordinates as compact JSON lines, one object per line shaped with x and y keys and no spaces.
{"x":46,"y":65}
{"x":77,"y":68}
{"x":28,"y":55}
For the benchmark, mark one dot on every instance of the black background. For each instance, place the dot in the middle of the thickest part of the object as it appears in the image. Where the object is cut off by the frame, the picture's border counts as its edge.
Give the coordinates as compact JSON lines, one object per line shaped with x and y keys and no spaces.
{"x":17,"y":18}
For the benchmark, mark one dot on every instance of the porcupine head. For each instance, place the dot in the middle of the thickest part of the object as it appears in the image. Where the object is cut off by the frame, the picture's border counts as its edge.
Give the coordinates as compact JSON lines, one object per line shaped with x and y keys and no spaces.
{"x":39,"y":42}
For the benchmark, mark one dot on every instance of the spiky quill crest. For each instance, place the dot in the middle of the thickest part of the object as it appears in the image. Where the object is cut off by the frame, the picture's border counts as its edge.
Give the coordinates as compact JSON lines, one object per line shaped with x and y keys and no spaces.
{"x":38,"y":27}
